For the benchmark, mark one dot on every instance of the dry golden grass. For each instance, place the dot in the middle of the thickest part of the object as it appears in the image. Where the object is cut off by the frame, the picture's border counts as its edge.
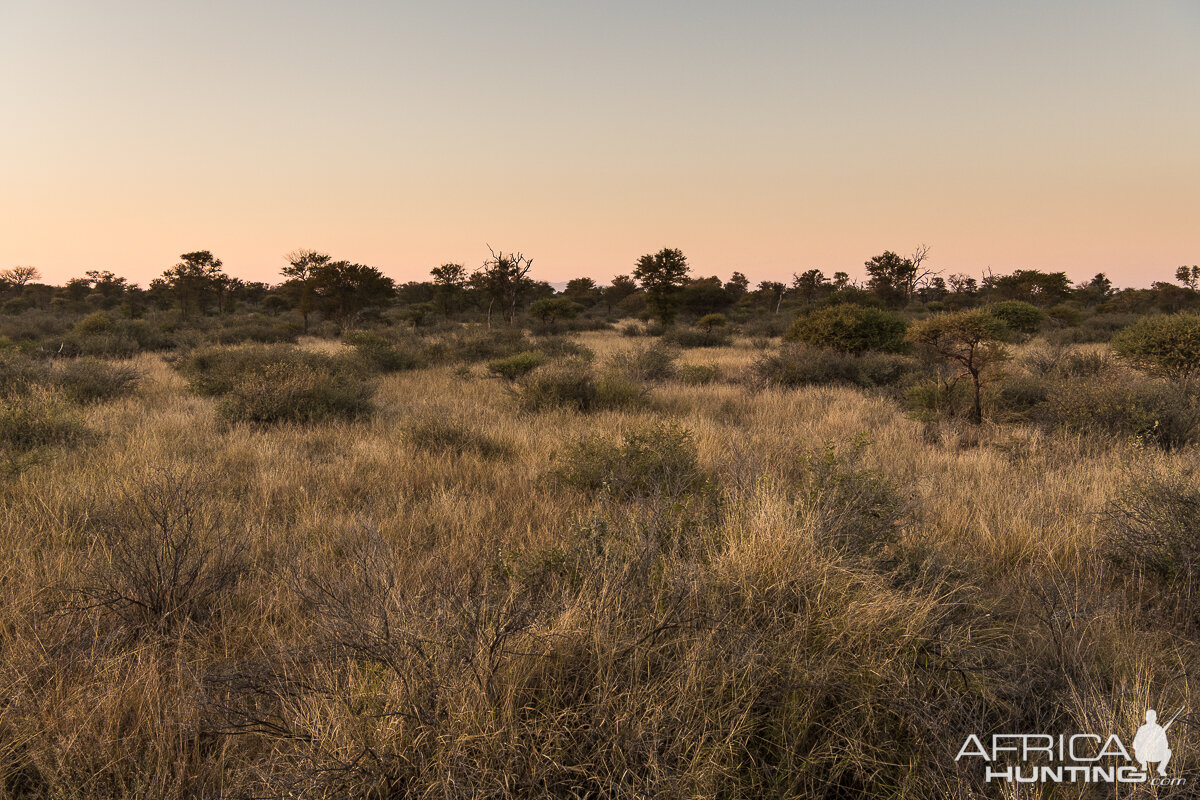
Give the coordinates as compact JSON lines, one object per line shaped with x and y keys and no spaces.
{"x":421,"y":622}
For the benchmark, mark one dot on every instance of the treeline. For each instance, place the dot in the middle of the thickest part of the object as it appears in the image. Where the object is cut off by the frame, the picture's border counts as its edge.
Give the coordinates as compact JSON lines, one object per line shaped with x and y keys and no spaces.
{"x":661,"y":287}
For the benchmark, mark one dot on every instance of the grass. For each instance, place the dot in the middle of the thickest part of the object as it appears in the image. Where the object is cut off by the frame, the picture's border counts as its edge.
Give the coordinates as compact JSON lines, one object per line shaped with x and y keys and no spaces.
{"x":419,"y":610}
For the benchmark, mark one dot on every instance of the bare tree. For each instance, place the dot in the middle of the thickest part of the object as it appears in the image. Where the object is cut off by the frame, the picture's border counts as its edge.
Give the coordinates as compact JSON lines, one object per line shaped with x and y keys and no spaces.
{"x":20,"y":276}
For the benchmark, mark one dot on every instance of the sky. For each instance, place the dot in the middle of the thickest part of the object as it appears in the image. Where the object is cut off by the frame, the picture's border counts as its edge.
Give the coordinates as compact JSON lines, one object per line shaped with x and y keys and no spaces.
{"x":763,"y":136}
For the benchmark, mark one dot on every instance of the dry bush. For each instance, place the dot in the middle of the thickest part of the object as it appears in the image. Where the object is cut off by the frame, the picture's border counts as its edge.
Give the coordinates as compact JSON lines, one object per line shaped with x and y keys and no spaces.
{"x":657,"y":462}
{"x":1151,"y":411}
{"x":383,"y":354}
{"x":437,"y":433}
{"x":36,"y":420}
{"x":575,"y":385}
{"x":851,"y":506}
{"x":163,"y":558}
{"x":1153,"y":526}
{"x":290,"y":392}
{"x":803,"y":365}
{"x":656,"y":362}
{"x":88,"y":380}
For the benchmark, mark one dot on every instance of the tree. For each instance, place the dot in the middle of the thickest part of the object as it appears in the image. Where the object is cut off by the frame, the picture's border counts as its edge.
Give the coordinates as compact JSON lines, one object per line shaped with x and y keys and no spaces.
{"x":1189,"y":276}
{"x":19,"y":276}
{"x":194,"y":281}
{"x":808,"y":285}
{"x":662,"y":275}
{"x":1166,"y":345}
{"x":969,"y":339}
{"x":892,"y":277}
{"x":505,"y":278}
{"x":737,"y":286}
{"x":450,"y":281}
{"x":1031,"y":286}
{"x":300,"y":267}
{"x":582,"y":291}
{"x":106,"y":284}
{"x":621,"y":287}
{"x":343,"y":290}
{"x":552,"y":309}
{"x":773,"y":292}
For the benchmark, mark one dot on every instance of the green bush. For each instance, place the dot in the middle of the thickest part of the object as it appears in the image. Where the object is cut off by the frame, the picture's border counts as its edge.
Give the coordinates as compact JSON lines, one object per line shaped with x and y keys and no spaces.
{"x":483,"y":345}
{"x":1017,"y":316}
{"x":850,"y":328}
{"x":290,"y":391}
{"x":519,"y":365}
{"x":573,"y":384}
{"x":659,"y":462}
{"x":1162,"y":345}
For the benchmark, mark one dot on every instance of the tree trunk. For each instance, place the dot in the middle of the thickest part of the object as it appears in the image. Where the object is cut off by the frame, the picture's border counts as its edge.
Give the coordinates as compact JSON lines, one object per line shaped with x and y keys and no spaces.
{"x":977,"y":409}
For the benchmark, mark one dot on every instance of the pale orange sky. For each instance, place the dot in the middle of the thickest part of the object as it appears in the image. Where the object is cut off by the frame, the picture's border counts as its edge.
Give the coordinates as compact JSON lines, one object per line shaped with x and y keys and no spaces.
{"x":766,"y":137}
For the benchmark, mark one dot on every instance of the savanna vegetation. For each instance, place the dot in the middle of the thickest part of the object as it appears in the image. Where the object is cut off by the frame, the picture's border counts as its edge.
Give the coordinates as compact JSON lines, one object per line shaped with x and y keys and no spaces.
{"x":672,"y":536}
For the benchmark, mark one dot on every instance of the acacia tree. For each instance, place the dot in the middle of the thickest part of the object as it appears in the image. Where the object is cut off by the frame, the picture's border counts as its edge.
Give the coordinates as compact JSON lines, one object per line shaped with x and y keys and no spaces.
{"x":194,"y":281}
{"x":19,"y":276}
{"x":300,"y":267}
{"x":343,"y":289}
{"x":662,"y":275}
{"x":504,"y":277}
{"x":622,"y":286}
{"x":449,"y":281}
{"x":970,"y":340}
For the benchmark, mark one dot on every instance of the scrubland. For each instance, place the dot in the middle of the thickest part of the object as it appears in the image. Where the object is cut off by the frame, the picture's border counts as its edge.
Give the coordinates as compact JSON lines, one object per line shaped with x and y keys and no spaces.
{"x":637,"y":577}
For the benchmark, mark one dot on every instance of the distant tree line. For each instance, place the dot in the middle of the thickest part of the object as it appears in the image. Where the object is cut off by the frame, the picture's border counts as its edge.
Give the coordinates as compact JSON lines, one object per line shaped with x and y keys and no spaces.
{"x":660,"y":286}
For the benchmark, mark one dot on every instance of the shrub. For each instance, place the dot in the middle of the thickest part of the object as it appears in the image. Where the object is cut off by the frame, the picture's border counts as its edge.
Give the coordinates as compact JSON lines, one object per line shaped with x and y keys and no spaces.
{"x":19,"y":374}
{"x":516,"y":366}
{"x":485,"y":345}
{"x":1152,"y":411}
{"x":713,"y":336}
{"x":256,"y":328}
{"x":697,"y":374}
{"x":564,"y":347}
{"x":288,"y":391}
{"x":1162,"y":345}
{"x":802,"y":365}
{"x":167,"y":560}
{"x":573,"y":384}
{"x":385,"y":355}
{"x":215,"y":370}
{"x":1018,"y":395}
{"x":850,"y":507}
{"x":36,"y":420}
{"x":712,"y":321}
{"x":653,"y":363}
{"x":850,"y":328}
{"x":1017,"y":316}
{"x":87,"y":380}
{"x":659,"y":462}
{"x":439,"y":434}
{"x":1151,"y":525}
